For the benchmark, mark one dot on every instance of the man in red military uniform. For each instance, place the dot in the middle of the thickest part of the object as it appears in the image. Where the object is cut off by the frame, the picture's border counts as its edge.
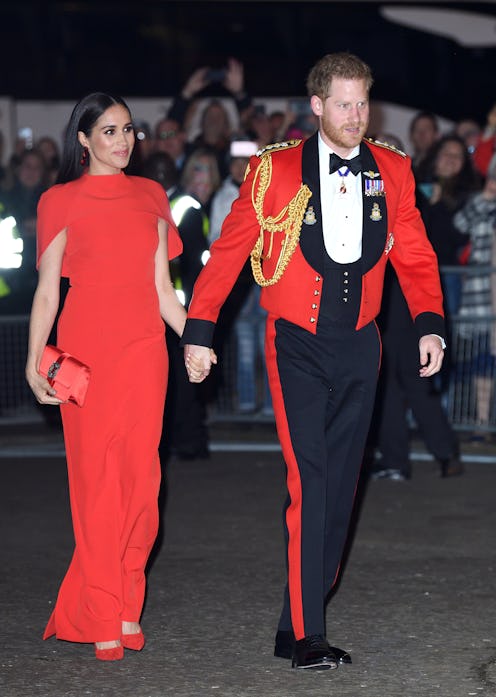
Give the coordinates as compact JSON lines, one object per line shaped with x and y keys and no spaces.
{"x":320,"y":230}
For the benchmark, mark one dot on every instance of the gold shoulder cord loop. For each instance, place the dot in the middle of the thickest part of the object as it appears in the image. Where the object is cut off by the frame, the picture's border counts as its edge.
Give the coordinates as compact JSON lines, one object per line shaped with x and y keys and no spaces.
{"x":289,"y":221}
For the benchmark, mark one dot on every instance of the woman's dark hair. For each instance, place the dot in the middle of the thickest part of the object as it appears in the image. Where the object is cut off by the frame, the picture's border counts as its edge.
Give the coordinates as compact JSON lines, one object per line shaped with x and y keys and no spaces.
{"x":84,"y":116}
{"x":456,"y":189}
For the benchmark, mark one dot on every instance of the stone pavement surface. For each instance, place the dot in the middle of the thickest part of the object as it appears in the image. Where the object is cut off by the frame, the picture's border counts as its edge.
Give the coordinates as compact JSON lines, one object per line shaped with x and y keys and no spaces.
{"x":416,"y":604}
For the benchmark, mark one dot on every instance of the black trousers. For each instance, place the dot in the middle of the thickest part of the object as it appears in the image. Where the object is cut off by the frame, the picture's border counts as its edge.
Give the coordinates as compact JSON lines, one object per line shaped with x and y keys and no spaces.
{"x":323,"y":390}
{"x":400,"y":386}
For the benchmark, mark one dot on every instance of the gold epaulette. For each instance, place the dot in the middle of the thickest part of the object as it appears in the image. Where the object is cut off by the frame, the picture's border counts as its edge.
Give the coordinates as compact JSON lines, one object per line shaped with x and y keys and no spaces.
{"x":283,"y":145}
{"x":273,"y":147}
{"x":387,"y":146}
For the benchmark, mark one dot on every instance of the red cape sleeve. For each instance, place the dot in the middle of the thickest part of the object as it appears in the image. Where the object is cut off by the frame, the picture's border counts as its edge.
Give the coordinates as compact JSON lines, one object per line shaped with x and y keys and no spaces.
{"x":51,"y":219}
{"x":174,"y":242}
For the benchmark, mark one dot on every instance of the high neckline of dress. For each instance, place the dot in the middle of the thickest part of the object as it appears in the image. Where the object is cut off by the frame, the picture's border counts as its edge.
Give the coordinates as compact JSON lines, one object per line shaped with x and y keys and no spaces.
{"x":103,"y":183}
{"x":103,"y":177}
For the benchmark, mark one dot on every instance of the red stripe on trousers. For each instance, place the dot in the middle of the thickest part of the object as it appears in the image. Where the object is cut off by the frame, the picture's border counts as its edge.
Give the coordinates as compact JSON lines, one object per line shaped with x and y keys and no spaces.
{"x":293,"y":481}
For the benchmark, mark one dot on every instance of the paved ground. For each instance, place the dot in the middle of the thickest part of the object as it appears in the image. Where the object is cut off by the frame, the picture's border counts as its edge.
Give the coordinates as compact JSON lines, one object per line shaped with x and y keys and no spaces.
{"x":416,"y":604}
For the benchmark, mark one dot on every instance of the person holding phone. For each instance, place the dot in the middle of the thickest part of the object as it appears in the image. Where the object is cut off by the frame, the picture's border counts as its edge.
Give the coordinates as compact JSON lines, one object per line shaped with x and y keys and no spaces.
{"x":216,"y":128}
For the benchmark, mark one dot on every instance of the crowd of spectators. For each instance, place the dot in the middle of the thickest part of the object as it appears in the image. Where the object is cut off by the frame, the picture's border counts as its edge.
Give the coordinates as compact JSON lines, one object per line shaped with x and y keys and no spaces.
{"x":456,"y":195}
{"x":193,"y":145}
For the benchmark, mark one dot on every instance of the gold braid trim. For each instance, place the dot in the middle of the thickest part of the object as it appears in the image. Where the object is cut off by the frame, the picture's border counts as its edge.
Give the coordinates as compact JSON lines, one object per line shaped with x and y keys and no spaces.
{"x":289,"y":221}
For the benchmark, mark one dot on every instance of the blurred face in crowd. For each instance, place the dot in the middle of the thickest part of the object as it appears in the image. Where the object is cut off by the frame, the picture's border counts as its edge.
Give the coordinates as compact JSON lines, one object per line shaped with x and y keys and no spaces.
{"x":31,"y":170}
{"x":49,"y":150}
{"x":276,"y":122}
{"x":237,"y":168}
{"x":200,"y":179}
{"x":491,"y":116}
{"x":449,"y":160}
{"x":343,"y":114}
{"x":215,"y":124}
{"x":470,"y":132}
{"x":423,"y":134}
{"x":170,"y":138}
{"x":262,"y":128}
{"x":490,"y":187}
{"x":110,"y":142}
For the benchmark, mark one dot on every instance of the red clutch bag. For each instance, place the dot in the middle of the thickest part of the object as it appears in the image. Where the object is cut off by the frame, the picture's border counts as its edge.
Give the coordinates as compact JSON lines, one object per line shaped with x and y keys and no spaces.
{"x":66,"y":374}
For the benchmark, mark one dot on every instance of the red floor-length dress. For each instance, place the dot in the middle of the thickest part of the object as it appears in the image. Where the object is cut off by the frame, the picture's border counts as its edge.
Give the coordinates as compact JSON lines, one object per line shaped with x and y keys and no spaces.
{"x":111,"y":321}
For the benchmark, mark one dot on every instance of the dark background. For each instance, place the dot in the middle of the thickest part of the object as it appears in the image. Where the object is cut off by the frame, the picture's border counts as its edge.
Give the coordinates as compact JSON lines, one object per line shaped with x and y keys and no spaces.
{"x":61,"y":50}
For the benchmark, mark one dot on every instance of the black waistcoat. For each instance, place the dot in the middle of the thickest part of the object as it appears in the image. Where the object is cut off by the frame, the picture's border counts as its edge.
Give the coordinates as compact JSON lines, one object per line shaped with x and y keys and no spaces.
{"x":342,"y":283}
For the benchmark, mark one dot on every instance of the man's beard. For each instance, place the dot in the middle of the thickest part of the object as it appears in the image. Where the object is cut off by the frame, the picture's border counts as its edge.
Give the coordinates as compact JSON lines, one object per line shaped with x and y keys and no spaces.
{"x":339,"y":137}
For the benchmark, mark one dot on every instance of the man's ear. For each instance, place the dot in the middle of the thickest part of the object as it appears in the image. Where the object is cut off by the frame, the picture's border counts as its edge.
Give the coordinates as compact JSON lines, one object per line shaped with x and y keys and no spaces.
{"x":317,"y":105}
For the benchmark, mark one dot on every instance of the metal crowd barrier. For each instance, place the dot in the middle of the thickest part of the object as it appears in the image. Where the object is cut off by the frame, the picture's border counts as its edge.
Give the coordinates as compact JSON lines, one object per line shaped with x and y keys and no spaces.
{"x":17,"y":403}
{"x":470,"y":394}
{"x":466,"y":384}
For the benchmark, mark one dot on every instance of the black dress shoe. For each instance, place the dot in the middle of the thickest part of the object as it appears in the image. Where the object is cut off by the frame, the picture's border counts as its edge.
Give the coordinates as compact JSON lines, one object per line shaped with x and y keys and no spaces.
{"x":285,"y":643}
{"x":314,"y":652}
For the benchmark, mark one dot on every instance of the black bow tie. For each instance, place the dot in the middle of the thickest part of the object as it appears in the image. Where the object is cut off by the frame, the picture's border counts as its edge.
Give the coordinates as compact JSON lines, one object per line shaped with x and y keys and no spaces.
{"x":336,"y":162}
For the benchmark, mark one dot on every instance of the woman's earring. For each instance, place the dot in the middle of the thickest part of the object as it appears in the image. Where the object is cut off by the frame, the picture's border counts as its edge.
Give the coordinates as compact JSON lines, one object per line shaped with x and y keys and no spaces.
{"x":84,"y":157}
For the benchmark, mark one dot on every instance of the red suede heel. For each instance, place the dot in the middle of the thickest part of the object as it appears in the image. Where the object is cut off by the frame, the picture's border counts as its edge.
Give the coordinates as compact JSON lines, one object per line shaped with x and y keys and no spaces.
{"x":135,"y":642}
{"x":114,"y":654}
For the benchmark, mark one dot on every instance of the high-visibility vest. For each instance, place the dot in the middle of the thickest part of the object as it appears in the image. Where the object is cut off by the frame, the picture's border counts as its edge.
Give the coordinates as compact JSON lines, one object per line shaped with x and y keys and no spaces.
{"x":4,"y":288}
{"x":11,"y":248}
{"x":180,"y":205}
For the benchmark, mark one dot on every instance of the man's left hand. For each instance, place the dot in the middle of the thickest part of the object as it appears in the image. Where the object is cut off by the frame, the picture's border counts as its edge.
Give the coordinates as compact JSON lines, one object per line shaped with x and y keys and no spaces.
{"x":431,"y":355}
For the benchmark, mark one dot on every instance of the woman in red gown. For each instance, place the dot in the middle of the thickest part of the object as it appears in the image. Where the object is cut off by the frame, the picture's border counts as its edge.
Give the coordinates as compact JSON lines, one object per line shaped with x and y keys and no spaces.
{"x":112,"y":235}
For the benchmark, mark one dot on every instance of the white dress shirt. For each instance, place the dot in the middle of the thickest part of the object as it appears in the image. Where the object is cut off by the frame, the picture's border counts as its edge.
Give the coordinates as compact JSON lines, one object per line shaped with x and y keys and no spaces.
{"x":342,"y":212}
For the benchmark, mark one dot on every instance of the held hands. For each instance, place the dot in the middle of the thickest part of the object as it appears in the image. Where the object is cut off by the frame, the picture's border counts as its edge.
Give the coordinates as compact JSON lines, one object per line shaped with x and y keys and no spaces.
{"x":198,"y":361}
{"x":431,"y":355}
